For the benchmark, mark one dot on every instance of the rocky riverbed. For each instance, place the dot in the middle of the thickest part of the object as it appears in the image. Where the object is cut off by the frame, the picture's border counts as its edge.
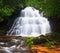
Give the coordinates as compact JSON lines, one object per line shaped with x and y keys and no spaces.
{"x":15,"y":45}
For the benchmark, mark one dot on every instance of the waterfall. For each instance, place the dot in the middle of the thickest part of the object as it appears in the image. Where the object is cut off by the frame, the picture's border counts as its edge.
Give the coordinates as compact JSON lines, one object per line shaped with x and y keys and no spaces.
{"x":31,"y":24}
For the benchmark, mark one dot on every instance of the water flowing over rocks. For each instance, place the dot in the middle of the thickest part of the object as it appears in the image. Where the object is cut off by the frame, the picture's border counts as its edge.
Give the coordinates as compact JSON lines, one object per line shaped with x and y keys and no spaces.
{"x":16,"y":45}
{"x":31,"y":23}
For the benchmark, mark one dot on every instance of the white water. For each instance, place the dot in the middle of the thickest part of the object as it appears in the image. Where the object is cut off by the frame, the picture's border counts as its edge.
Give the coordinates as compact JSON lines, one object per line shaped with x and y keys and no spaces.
{"x":31,"y":23}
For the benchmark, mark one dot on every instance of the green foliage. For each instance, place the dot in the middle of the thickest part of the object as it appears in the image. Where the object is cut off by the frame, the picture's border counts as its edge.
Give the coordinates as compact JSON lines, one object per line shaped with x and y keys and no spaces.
{"x":50,"y":7}
{"x":6,"y":11}
{"x":51,"y":43}
{"x":29,"y":42}
{"x":33,"y":3}
{"x":1,"y":1}
{"x":48,"y":40}
{"x":7,"y":7}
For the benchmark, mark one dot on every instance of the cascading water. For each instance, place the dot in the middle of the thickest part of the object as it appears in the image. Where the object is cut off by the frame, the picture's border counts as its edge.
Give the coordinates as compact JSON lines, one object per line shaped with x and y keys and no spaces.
{"x":31,"y":24}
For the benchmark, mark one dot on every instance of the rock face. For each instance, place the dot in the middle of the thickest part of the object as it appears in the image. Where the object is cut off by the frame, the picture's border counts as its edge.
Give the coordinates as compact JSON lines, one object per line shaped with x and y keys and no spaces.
{"x":6,"y":38}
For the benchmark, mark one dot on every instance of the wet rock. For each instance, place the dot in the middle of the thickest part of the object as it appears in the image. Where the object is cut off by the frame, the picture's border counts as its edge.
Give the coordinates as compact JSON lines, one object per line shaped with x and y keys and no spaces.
{"x":14,"y":45}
